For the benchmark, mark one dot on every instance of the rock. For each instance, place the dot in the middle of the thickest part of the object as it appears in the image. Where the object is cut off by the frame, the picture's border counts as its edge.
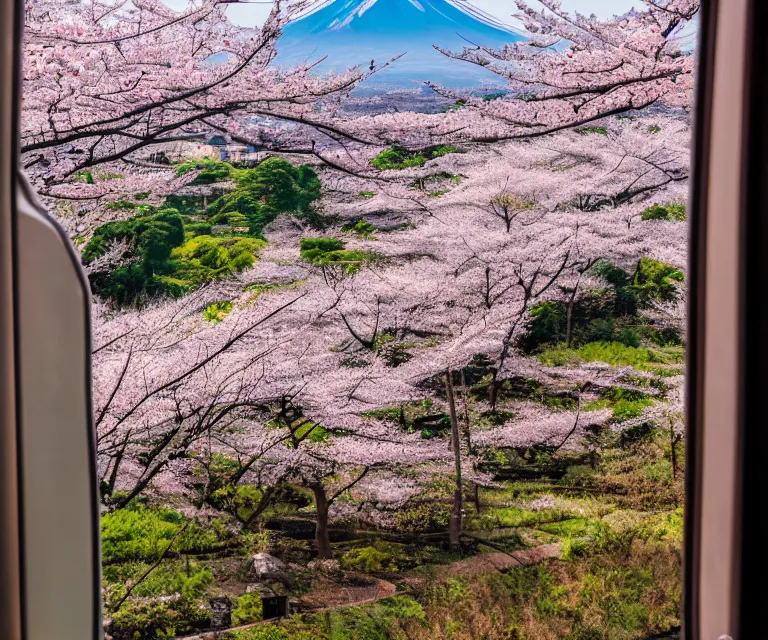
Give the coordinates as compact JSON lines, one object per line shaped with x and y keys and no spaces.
{"x":267,"y":566}
{"x":221,"y":612}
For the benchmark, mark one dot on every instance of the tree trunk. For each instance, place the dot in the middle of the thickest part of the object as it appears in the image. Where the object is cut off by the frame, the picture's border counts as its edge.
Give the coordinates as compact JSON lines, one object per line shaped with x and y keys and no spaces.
{"x":454,"y":530}
{"x":321,"y":528}
{"x":492,"y":390}
{"x":673,"y":440}
{"x":468,"y":437}
{"x":569,"y":314}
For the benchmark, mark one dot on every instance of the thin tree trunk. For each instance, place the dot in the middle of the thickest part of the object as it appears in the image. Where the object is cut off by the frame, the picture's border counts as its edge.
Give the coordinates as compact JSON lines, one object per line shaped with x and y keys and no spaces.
{"x":569,"y":314}
{"x":454,"y":530}
{"x":673,"y":440}
{"x":492,"y":390}
{"x":321,"y":528}
{"x":468,"y":437}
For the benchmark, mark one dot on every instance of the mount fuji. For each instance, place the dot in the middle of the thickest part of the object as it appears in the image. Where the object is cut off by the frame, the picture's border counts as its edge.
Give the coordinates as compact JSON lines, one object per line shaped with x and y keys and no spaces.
{"x":352,"y":32}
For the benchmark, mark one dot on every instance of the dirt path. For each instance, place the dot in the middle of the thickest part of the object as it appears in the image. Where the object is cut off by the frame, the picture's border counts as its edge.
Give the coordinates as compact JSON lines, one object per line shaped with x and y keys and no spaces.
{"x":332,"y":596}
{"x":498,"y":561}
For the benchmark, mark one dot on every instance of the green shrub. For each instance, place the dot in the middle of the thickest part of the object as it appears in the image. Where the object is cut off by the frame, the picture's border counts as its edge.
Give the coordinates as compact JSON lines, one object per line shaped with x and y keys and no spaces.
{"x":275,"y":186}
{"x":656,"y":281}
{"x":613,"y":353}
{"x":210,"y":170}
{"x":143,"y":533}
{"x":673,"y":211}
{"x":584,"y":130}
{"x":198,"y":229}
{"x":573,"y":548}
{"x":293,"y":629}
{"x":205,"y":258}
{"x":248,"y":608}
{"x":217,"y":311}
{"x":381,"y":556}
{"x":331,"y":252}
{"x":361,"y":227}
{"x":397,"y":157}
{"x":423,"y":518}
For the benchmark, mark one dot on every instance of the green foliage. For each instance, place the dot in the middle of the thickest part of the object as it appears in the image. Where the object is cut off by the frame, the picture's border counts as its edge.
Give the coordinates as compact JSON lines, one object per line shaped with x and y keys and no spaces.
{"x":198,"y":229}
{"x":655,"y":281}
{"x":584,"y":130}
{"x":152,"y":239}
{"x":361,"y":227}
{"x":381,"y":556}
{"x":248,"y":608}
{"x":169,"y":256}
{"x":331,"y":252}
{"x":366,"y":194}
{"x":144,"y":533}
{"x":573,"y":548}
{"x":455,"y":106}
{"x":262,"y":194}
{"x":292,"y":629}
{"x":210,"y":170}
{"x":654,"y":128}
{"x":217,"y":311}
{"x":613,"y":353}
{"x":375,"y":621}
{"x":673,"y":211}
{"x":397,"y":157}
{"x":427,"y":517}
{"x":84,"y":176}
{"x":202,"y":259}
{"x":610,"y":314}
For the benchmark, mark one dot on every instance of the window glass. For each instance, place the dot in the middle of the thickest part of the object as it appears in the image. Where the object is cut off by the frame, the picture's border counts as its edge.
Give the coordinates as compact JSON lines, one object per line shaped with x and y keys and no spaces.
{"x":388,"y":308}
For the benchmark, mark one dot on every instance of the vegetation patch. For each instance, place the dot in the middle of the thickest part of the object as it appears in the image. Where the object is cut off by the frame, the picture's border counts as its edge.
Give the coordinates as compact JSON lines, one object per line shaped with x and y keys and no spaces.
{"x":584,"y":130}
{"x":361,"y":227}
{"x":672,"y":211}
{"x":330,"y":252}
{"x":217,"y":311}
{"x":142,"y":533}
{"x":613,"y":353}
{"x":397,"y":157}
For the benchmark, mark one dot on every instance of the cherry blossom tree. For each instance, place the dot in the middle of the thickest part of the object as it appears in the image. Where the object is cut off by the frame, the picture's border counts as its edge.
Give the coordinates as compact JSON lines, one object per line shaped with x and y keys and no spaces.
{"x":105,"y":79}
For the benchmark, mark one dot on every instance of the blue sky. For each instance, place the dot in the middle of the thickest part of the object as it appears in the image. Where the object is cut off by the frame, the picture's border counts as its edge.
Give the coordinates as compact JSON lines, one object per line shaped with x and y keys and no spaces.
{"x":254,"y":14}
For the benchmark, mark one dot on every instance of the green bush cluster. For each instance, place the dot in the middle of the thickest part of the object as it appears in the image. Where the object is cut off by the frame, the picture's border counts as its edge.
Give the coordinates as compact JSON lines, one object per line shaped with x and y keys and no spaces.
{"x":163,"y":262}
{"x":152,"y":620}
{"x":210,"y":170}
{"x":202,"y":259}
{"x":613,"y":353}
{"x":247,"y":609}
{"x":171,"y":251}
{"x":217,"y":311}
{"x":331,"y":252}
{"x":361,"y":227}
{"x":381,"y":556}
{"x":611,"y":314}
{"x":140,"y":533}
{"x":151,"y":239}
{"x":673,"y":211}
{"x":584,"y":130}
{"x":275,"y":186}
{"x":427,"y":517}
{"x":397,"y":157}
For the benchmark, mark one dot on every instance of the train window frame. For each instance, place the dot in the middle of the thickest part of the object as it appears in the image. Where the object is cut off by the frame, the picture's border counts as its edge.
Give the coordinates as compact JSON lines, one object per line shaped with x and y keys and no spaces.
{"x":728,"y":194}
